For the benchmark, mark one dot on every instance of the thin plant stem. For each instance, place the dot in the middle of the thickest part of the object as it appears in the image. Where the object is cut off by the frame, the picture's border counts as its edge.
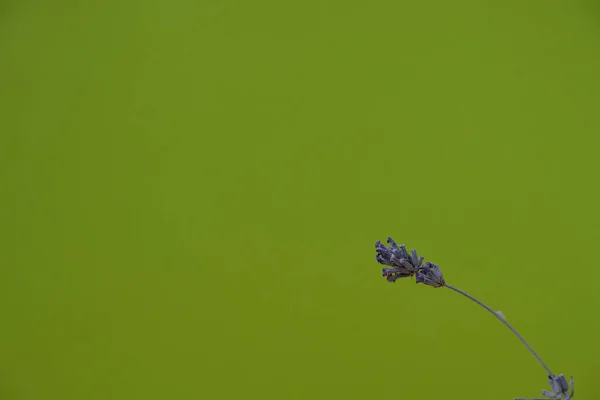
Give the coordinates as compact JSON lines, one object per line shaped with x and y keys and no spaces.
{"x":505,"y":323}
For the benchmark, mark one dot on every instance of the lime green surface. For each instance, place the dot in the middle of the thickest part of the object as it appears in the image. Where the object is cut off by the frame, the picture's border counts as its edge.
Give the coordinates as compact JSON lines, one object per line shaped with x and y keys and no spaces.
{"x":191,"y":192}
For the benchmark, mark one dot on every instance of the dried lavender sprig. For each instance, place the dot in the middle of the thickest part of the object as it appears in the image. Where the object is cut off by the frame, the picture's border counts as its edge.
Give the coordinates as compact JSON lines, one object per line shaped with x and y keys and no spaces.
{"x":430,"y":274}
{"x":509,"y":326}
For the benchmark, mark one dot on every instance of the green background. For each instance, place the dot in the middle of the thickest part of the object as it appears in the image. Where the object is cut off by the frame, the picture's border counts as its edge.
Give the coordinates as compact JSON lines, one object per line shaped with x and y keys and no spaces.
{"x":191,"y":192}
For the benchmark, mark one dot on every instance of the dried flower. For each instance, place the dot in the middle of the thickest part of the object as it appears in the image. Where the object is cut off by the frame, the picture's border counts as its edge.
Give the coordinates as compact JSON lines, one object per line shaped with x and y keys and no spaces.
{"x":402,"y":266}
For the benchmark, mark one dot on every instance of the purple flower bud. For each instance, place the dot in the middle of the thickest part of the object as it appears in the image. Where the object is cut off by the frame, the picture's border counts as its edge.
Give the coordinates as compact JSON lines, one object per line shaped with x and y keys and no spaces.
{"x":392,"y":243}
{"x":560,"y":387}
{"x":416,"y":260}
{"x":431,"y":275}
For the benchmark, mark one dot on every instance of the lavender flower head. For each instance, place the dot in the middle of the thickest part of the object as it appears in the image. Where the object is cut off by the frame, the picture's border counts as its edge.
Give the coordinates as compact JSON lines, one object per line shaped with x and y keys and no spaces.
{"x":402,"y":264}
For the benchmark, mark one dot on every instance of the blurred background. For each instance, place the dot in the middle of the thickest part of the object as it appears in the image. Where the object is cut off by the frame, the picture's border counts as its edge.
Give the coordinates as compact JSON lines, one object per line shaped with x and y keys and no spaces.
{"x":191,"y":193}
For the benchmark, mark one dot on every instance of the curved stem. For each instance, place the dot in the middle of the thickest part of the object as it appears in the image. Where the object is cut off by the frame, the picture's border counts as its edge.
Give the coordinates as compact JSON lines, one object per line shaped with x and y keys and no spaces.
{"x":505,"y":323}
